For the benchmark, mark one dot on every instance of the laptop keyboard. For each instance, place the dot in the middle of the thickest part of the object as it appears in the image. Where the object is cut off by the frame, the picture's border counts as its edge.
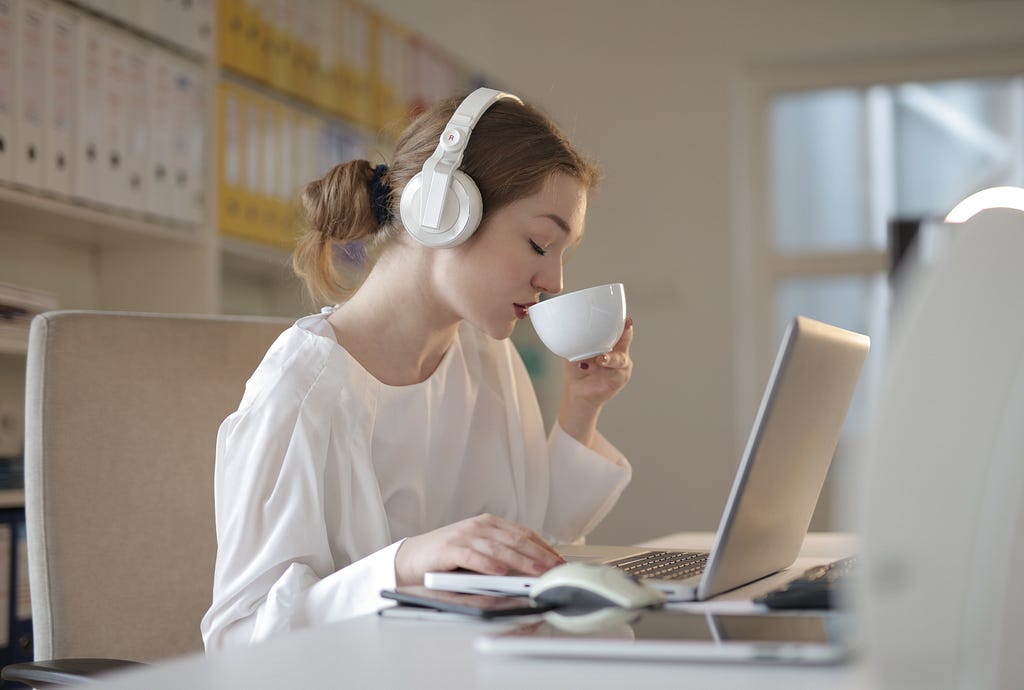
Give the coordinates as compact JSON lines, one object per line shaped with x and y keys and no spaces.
{"x":664,"y":565}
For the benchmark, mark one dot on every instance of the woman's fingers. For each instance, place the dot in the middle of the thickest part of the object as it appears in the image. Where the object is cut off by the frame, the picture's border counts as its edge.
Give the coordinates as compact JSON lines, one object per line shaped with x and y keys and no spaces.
{"x":618,"y":358}
{"x":509,"y":558}
{"x":486,"y":544}
{"x":613,"y":360}
{"x":516,"y":542}
{"x":626,"y":339}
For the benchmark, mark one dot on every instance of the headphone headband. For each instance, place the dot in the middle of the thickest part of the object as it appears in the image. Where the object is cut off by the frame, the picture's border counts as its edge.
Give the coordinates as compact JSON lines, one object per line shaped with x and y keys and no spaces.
{"x":447,"y":157}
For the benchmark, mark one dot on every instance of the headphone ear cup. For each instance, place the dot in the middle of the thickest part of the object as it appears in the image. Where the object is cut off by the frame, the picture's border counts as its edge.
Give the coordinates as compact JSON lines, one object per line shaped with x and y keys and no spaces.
{"x":463,"y":209}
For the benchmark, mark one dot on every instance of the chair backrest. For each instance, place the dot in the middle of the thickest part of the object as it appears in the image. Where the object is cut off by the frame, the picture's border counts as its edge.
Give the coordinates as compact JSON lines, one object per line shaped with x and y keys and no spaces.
{"x":121,"y":415}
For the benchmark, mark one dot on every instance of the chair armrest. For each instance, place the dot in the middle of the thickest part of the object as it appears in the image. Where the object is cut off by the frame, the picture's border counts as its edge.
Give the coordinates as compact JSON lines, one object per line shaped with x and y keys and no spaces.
{"x":62,"y":671}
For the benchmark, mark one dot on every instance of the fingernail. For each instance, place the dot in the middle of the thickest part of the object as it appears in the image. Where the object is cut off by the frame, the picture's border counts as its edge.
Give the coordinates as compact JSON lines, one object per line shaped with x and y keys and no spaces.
{"x":604,"y":359}
{"x":629,"y":322}
{"x":584,"y":366}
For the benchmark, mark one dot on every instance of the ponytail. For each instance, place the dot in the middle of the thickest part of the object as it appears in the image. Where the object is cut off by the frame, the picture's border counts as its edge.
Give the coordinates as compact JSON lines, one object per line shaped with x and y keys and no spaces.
{"x":346,"y":208}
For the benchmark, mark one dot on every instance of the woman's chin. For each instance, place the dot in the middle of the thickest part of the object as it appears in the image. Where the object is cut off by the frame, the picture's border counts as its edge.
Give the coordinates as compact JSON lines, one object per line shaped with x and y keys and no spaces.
{"x":499,"y":331}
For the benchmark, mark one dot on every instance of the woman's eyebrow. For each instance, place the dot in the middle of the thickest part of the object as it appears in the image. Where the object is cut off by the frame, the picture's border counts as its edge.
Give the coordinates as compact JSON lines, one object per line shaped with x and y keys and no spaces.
{"x":558,"y":220}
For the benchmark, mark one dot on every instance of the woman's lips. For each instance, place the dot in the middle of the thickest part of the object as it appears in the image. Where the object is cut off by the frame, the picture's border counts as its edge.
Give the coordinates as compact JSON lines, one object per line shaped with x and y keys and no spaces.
{"x":521,"y":309}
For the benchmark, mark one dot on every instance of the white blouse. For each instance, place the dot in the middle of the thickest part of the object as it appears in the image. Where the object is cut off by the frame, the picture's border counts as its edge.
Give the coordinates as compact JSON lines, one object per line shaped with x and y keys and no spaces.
{"x":323,"y":470}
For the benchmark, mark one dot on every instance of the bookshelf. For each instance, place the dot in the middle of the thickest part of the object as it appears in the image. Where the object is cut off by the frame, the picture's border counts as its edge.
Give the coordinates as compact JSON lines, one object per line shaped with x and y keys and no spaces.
{"x":336,"y":78}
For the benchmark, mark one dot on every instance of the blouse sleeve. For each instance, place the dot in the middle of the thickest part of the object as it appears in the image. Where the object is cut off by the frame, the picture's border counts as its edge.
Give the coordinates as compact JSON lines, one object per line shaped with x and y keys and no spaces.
{"x":275,"y":569}
{"x":585,"y":484}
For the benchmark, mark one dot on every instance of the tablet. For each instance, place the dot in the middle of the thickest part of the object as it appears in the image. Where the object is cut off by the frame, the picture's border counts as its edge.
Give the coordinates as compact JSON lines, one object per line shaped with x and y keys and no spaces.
{"x":666,"y":635}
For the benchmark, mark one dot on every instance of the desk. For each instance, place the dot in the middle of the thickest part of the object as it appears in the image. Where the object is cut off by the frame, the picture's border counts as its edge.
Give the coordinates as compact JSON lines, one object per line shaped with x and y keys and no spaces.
{"x":374,"y":652}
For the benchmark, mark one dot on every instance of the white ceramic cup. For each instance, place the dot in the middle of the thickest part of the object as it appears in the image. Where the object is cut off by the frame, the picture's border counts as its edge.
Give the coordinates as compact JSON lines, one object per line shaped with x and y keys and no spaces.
{"x":581,"y":324}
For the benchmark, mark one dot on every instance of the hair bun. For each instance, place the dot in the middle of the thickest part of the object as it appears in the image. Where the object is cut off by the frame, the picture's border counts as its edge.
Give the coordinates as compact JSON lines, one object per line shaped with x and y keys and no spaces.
{"x":380,"y":195}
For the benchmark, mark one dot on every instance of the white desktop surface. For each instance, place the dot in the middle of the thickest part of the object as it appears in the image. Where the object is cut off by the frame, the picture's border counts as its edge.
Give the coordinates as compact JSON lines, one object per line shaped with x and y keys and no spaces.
{"x":375,"y":652}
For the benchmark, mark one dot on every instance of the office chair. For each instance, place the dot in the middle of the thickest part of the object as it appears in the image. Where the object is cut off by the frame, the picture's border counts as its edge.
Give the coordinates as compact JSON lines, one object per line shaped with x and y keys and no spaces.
{"x":121,"y":417}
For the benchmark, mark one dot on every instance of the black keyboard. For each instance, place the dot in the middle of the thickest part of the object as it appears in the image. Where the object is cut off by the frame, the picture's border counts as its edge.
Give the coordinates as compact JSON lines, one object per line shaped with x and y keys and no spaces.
{"x":664,"y":565}
{"x":814,"y":589}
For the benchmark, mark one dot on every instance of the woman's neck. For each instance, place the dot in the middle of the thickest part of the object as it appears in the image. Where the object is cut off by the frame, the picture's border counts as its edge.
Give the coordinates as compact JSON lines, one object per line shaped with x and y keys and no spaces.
{"x":394,"y":326}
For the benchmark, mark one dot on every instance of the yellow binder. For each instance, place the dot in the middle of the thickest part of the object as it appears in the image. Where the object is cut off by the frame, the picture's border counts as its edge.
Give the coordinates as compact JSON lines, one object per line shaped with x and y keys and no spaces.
{"x":231,"y":160}
{"x":287,"y":185}
{"x":269,"y":164}
{"x":231,"y":34}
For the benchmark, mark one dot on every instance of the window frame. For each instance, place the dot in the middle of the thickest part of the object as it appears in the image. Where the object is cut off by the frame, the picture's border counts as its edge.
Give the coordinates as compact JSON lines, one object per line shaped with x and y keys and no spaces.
{"x":758,"y":268}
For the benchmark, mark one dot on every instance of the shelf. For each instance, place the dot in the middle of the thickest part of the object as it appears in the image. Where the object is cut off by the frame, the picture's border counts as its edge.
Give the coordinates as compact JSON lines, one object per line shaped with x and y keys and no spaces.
{"x":88,"y":223}
{"x":254,"y":251}
{"x":242,"y":257}
{"x":258,"y":280}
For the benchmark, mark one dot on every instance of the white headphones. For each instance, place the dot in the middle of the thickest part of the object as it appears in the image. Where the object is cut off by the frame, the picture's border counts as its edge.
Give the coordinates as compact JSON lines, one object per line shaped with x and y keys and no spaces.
{"x":441,"y":205}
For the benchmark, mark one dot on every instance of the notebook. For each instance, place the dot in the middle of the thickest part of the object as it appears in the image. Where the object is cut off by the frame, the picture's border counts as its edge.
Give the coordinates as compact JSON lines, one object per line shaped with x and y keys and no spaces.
{"x":775,"y":490}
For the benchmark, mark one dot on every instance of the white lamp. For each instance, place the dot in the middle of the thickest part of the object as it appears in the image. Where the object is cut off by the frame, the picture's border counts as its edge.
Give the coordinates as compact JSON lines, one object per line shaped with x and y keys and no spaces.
{"x":994,"y":197}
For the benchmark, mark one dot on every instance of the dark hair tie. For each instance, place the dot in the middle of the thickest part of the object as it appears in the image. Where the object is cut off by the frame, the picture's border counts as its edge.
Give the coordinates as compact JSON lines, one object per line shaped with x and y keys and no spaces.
{"x":380,"y":195}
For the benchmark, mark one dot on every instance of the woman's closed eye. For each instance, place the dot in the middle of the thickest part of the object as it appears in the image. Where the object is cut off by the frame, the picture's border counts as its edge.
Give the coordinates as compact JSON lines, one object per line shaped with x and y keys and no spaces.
{"x":537,"y":248}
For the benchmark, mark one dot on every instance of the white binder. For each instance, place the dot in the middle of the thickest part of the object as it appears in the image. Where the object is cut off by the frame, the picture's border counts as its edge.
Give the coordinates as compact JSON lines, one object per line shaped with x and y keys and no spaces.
{"x":114,"y":119}
{"x":8,"y":82}
{"x":86,"y":167}
{"x":158,"y":183}
{"x":59,"y":108}
{"x":198,"y":140}
{"x":30,"y":70}
{"x":204,"y":18}
{"x":165,"y":18}
{"x":126,"y":11}
{"x":188,"y":143}
{"x":136,"y":156}
{"x":179,"y":137}
{"x":193,"y":25}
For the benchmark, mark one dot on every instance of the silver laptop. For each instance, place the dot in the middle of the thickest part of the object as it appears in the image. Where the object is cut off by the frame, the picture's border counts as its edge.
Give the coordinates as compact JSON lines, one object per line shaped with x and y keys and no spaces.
{"x":776,"y":486}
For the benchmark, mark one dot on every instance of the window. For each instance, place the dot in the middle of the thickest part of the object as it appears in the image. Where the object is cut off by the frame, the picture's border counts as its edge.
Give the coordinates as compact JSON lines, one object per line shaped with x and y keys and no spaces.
{"x":844,"y":162}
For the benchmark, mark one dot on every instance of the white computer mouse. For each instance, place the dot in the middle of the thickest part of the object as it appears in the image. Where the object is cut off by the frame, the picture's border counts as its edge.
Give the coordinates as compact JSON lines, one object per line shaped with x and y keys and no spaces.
{"x":587,"y":585}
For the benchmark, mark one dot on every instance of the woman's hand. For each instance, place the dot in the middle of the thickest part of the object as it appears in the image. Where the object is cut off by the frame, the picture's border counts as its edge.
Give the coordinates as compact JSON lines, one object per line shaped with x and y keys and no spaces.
{"x":486,"y":543}
{"x":590,"y":384}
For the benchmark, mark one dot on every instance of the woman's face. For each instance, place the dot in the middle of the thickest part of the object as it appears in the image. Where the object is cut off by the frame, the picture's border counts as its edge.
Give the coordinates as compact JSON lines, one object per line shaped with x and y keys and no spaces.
{"x":514,"y":256}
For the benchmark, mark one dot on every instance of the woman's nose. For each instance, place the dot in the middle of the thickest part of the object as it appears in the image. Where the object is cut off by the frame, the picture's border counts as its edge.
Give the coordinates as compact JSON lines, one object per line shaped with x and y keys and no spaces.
{"x":550,"y":279}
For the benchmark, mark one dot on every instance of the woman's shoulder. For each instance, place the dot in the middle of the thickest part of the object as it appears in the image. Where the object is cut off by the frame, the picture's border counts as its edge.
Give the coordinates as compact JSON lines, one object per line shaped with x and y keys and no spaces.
{"x":301,"y":359}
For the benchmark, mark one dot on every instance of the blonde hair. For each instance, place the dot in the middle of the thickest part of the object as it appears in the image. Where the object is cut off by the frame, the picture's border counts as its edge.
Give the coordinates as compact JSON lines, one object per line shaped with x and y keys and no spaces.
{"x":513,"y":151}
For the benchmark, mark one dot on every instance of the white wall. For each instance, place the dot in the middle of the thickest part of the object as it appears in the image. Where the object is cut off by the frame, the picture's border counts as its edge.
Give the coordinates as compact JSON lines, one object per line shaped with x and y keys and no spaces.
{"x":650,"y":88}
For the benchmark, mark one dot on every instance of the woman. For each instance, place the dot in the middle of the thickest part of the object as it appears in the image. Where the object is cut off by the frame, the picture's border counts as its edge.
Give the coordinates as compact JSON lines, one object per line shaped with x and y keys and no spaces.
{"x":398,"y":433}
